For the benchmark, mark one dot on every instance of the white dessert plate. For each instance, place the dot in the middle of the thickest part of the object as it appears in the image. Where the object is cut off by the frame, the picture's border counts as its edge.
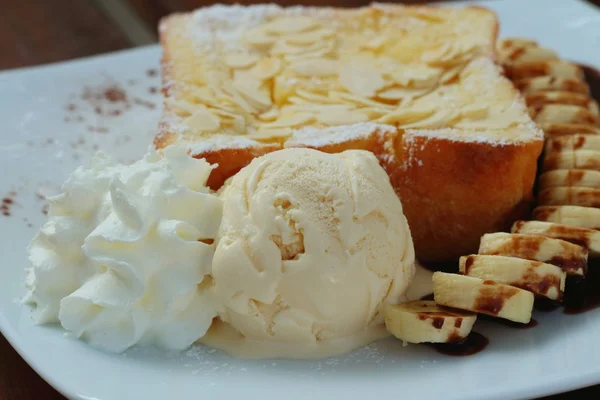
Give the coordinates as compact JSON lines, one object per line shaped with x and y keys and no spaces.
{"x":55,"y":117}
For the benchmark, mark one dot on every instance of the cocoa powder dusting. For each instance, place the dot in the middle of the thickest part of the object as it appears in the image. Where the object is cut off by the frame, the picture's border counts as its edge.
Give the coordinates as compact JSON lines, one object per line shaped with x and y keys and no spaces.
{"x":115,"y":94}
{"x":7,"y":202}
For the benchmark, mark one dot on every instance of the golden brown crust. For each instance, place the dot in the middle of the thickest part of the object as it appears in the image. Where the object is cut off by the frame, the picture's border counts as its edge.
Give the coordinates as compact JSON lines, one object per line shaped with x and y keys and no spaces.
{"x":459,"y":186}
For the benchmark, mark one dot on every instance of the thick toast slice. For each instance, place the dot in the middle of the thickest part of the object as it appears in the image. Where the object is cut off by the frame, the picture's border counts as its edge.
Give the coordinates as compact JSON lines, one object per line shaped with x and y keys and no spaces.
{"x":417,"y":86}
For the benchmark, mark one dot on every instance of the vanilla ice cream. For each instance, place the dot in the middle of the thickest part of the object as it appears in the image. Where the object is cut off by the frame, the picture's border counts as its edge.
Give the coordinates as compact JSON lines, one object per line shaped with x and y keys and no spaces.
{"x":310,"y":246}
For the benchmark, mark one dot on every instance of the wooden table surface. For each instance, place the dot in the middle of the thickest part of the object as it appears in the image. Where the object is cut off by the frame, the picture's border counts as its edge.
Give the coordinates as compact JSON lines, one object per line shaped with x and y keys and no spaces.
{"x":34,"y":32}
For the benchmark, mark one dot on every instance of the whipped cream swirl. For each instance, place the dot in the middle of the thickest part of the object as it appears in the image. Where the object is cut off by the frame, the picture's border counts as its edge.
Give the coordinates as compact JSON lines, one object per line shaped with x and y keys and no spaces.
{"x":126,"y":254}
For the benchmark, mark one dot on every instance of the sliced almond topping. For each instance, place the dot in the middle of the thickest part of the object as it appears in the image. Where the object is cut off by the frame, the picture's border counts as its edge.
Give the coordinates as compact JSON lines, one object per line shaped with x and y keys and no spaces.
{"x":419,"y":76}
{"x":290,"y":24}
{"x":295,"y":100}
{"x":240,"y":60}
{"x":270,"y":115}
{"x":237,"y":98}
{"x":403,"y":116}
{"x":314,"y":97}
{"x":283,"y":88}
{"x":281,"y":48}
{"x":340,"y":97}
{"x":451,"y":73}
{"x":181,"y":105}
{"x":292,"y":120}
{"x":341,"y":117}
{"x":259,"y":38}
{"x":315,"y":107}
{"x":374,"y":112}
{"x":399,"y":93}
{"x":439,"y":119}
{"x":203,"y":120}
{"x":255,"y":98}
{"x":270,"y":134}
{"x":440,"y":54}
{"x":306,"y":38}
{"x":425,"y":15}
{"x":375,"y":43}
{"x":247,"y":77}
{"x":236,"y":121}
{"x":267,"y":68}
{"x":239,"y":124}
{"x":320,"y":52}
{"x":474,"y":111}
{"x":361,"y":78}
{"x":315,"y":67}
{"x":204,"y":94}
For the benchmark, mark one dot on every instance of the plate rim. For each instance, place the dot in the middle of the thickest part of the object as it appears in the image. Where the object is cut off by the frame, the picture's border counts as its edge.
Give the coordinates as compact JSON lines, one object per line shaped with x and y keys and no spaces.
{"x":536,"y":389}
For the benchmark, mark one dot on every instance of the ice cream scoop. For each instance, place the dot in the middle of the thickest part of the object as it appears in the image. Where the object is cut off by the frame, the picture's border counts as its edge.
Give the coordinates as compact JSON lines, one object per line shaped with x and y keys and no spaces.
{"x":310,"y":246}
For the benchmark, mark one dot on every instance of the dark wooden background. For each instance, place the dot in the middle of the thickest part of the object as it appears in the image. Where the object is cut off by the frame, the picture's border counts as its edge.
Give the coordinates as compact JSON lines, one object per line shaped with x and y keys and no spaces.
{"x":34,"y":32}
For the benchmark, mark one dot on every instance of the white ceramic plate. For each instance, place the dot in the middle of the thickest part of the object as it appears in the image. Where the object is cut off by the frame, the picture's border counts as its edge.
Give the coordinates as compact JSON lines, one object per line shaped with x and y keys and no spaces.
{"x":43,"y":138}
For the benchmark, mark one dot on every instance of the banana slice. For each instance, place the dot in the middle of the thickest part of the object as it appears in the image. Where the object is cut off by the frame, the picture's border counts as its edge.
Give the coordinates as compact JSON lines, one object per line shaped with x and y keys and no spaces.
{"x":573,"y":142}
{"x":527,"y":54}
{"x":588,"y":238}
{"x":426,"y":322}
{"x":539,"y":278}
{"x":571,"y":258}
{"x":515,"y":42}
{"x":555,"y":130}
{"x":568,"y":178}
{"x":569,"y":196}
{"x":482,"y":296}
{"x":582,"y":217}
{"x":551,"y":83}
{"x":572,"y":159}
{"x":558,"y":97}
{"x":563,"y":114}
{"x":557,"y":68}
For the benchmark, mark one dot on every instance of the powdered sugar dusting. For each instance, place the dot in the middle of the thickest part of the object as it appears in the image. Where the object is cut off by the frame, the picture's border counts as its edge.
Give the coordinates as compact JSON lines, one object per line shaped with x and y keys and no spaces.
{"x":516,"y":135}
{"x":225,"y":25}
{"x":212,"y":363}
{"x":319,"y":137}
{"x":220,"y":142}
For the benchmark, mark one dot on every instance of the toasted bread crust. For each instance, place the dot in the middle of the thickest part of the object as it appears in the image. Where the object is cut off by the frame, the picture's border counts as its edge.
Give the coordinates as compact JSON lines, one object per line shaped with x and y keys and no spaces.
{"x":453,"y":191}
{"x":458,"y":186}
